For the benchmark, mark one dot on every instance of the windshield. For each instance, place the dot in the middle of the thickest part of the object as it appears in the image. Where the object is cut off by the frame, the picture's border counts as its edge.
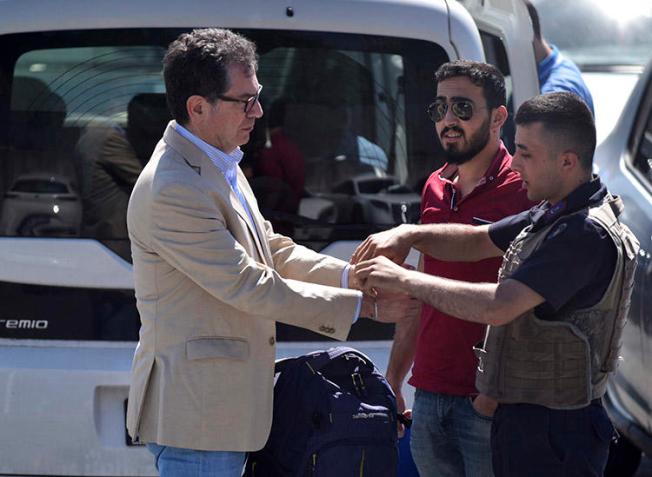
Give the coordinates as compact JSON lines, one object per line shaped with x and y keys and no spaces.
{"x":599,"y":34}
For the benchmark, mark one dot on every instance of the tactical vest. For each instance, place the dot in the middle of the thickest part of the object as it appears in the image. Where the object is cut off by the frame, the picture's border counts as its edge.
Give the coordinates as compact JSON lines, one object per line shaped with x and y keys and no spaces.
{"x":564,"y":362}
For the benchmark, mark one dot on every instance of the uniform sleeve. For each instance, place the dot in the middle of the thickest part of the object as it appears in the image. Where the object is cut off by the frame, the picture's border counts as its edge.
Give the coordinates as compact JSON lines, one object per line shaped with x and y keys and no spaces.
{"x":503,"y":232}
{"x":576,"y":258}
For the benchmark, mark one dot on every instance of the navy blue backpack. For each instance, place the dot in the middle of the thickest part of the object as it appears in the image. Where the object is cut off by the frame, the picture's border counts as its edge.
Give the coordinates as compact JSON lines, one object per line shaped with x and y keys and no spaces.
{"x":334,"y":416}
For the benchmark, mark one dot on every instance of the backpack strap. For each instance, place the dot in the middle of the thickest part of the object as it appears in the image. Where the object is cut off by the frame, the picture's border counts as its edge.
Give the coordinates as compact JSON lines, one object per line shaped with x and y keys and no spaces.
{"x":319,"y":359}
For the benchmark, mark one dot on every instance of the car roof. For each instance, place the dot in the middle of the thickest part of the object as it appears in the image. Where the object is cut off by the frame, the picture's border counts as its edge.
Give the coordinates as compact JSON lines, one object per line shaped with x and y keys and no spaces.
{"x":418,"y":19}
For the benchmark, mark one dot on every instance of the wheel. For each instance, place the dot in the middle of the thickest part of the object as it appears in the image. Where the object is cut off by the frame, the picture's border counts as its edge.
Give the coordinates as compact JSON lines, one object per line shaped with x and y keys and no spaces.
{"x":624,"y":458}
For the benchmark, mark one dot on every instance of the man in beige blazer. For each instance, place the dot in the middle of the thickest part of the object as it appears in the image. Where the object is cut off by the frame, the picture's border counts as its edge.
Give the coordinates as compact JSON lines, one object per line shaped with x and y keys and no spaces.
{"x":211,"y":276}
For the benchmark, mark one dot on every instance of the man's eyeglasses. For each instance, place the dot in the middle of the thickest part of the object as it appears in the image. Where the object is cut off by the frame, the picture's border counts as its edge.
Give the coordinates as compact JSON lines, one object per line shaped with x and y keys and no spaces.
{"x":248,"y":103}
{"x":462,"y":108}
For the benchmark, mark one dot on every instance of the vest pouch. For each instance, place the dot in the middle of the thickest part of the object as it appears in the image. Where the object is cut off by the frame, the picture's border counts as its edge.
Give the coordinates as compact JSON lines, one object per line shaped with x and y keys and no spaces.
{"x":546,"y":363}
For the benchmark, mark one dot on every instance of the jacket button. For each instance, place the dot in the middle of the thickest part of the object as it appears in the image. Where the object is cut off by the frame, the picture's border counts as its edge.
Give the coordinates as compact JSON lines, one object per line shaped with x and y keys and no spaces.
{"x":322,"y":328}
{"x":272,"y":340}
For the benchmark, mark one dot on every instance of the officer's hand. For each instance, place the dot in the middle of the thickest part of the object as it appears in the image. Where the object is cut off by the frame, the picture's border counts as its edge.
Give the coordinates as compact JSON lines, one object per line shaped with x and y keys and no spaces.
{"x":394,"y":307}
{"x":393,"y":244}
{"x":380,"y":273}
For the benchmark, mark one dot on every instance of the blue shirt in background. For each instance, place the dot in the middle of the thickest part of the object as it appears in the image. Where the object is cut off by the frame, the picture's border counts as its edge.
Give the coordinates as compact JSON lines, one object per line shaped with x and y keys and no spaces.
{"x":557,"y":74}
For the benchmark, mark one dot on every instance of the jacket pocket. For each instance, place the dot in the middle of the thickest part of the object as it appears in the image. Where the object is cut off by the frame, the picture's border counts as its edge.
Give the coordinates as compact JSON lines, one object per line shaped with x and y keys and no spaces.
{"x":211,"y":347}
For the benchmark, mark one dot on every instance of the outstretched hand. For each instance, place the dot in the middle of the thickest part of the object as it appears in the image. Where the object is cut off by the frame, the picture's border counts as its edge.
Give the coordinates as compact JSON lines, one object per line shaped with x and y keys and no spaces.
{"x":393,"y":244}
{"x":380,"y":274}
{"x":395,"y":307}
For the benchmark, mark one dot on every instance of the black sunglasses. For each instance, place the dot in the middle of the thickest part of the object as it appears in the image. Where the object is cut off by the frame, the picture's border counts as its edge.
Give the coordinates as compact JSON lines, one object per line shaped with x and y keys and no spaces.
{"x":248,"y":103}
{"x":462,"y":108}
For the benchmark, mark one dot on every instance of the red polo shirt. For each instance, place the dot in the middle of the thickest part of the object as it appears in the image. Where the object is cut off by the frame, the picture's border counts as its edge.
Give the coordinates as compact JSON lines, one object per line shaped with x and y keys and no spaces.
{"x":444,"y":360}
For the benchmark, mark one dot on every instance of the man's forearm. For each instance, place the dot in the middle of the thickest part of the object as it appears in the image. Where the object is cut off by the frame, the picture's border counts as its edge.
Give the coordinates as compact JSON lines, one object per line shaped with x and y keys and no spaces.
{"x":402,"y":354}
{"x":475,"y":302}
{"x":404,"y":346}
{"x":487,"y":303}
{"x":449,"y":242}
{"x":452,"y":242}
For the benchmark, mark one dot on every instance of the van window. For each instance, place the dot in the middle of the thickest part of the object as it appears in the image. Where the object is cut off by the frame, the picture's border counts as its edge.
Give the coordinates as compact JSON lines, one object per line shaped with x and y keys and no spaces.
{"x":643,"y":156}
{"x":342,"y":151}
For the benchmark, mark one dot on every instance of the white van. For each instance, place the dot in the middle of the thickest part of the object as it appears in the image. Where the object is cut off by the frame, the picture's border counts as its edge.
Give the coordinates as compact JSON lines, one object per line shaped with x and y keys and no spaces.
{"x":82,"y":103}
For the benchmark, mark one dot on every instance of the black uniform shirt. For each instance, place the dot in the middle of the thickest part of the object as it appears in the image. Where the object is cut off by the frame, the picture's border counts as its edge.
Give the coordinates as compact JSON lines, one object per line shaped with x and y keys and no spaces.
{"x":574,"y":265}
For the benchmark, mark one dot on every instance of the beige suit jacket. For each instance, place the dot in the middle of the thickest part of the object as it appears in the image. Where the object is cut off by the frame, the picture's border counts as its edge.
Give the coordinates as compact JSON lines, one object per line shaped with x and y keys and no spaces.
{"x":210,"y":286}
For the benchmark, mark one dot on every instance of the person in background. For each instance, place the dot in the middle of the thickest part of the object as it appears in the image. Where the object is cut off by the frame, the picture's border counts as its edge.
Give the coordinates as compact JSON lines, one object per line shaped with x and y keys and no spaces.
{"x":556,"y":72}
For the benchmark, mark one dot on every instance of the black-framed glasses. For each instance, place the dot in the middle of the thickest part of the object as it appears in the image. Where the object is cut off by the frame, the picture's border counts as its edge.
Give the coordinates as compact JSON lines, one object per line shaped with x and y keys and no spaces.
{"x":248,"y":103}
{"x":462,"y":108}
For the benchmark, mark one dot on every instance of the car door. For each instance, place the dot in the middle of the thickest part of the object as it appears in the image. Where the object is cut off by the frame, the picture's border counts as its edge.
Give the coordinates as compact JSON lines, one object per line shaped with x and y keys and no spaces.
{"x":624,"y":161}
{"x":506,"y":34}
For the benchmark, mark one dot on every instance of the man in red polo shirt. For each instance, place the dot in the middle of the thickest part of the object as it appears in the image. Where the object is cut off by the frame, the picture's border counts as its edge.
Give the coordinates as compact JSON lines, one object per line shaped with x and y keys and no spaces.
{"x":452,"y":423}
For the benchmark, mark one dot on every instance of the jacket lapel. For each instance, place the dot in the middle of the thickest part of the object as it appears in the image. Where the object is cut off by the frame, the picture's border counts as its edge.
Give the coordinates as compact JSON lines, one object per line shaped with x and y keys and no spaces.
{"x":259,"y":220}
{"x":204,"y":167}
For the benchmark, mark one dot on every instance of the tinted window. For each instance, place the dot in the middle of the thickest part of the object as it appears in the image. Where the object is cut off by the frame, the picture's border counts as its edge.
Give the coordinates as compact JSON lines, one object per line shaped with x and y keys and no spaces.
{"x":643,"y":156}
{"x":40,"y":186}
{"x":343,"y":149}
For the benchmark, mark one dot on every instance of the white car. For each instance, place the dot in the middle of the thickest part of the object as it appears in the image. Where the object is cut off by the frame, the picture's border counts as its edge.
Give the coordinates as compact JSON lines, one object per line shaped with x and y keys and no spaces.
{"x":40,"y":205}
{"x":352,"y":79}
{"x":624,"y":161}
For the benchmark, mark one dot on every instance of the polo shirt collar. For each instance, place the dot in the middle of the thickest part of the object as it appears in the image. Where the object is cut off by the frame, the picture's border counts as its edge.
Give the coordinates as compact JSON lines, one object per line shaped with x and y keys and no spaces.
{"x":449,"y":171}
{"x":588,"y":194}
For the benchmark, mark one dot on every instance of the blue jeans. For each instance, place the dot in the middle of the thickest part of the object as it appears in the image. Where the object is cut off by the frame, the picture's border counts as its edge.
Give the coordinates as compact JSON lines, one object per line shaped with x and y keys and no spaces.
{"x":449,"y":437}
{"x":538,"y":442}
{"x":177,"y":462}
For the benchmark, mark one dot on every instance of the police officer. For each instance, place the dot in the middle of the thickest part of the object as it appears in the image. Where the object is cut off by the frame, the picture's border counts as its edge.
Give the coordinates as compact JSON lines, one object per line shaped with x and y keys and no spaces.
{"x":562,"y":296}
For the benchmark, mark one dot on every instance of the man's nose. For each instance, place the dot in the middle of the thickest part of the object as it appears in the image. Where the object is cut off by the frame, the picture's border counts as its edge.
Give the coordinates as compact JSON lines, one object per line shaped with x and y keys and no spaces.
{"x":256,"y":110}
{"x":449,"y":117}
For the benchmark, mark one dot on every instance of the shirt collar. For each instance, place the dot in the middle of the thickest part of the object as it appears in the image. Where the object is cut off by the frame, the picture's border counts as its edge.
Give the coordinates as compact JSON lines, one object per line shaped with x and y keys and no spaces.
{"x":449,"y":171}
{"x":587,"y":194}
{"x":225,"y":162}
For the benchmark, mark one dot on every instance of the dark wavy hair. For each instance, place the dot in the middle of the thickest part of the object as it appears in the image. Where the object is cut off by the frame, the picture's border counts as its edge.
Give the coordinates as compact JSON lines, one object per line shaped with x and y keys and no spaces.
{"x":483,"y":75}
{"x":198,"y":63}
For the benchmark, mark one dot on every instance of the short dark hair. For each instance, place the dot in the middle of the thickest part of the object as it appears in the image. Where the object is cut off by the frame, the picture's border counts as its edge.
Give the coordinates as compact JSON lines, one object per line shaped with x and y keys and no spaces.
{"x":534,"y":17}
{"x":567,"y":118}
{"x":481,"y":74}
{"x":198,"y":63}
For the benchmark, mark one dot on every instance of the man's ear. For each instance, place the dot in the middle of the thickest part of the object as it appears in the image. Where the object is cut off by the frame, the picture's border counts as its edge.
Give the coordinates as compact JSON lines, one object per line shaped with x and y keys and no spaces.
{"x":498,"y":117}
{"x":569,"y":160}
{"x":196,"y":107}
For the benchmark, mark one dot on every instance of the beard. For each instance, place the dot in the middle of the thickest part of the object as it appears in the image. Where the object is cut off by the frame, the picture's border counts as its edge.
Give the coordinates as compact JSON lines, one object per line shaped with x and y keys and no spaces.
{"x":459,"y":154}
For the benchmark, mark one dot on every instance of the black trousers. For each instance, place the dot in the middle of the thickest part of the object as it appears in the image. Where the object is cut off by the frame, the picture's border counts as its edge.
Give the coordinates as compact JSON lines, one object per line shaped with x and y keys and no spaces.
{"x":530,"y":440}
